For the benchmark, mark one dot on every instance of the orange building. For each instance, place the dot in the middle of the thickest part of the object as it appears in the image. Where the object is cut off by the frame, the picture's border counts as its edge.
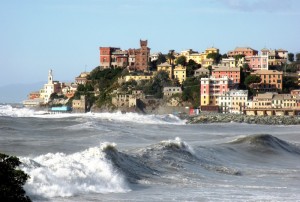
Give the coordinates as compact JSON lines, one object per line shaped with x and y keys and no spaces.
{"x":271,"y":81}
{"x":247,"y":51}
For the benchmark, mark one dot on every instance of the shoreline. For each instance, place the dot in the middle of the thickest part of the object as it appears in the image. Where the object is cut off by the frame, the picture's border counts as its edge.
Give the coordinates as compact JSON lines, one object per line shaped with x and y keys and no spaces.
{"x":205,"y":117}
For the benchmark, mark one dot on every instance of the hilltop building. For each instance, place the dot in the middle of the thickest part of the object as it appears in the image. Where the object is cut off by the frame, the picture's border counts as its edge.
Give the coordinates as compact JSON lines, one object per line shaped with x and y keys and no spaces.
{"x":50,"y":87}
{"x":247,"y":51}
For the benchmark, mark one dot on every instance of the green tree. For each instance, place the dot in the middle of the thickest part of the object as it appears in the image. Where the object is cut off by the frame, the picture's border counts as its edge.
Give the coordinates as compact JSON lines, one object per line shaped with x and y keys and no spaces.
{"x":289,"y":83}
{"x":191,"y":91}
{"x":225,"y":56}
{"x":298,"y":57}
{"x":210,"y":69}
{"x":170,"y":56}
{"x":12,"y":180}
{"x":161,"y":59}
{"x":252,"y":79}
{"x":191,"y":67}
{"x":291,"y":57}
{"x":181,"y":60}
{"x":215,"y":56}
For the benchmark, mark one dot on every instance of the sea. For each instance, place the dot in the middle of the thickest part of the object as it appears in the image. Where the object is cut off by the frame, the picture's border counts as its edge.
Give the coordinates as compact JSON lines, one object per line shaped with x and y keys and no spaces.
{"x":135,"y":157}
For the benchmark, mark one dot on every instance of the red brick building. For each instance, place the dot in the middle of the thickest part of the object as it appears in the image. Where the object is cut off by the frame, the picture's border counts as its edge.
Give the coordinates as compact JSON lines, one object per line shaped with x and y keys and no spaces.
{"x":105,"y":56}
{"x":139,"y":58}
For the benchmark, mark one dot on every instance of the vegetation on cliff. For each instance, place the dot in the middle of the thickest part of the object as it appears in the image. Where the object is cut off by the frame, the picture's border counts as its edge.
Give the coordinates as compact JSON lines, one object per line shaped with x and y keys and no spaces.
{"x":12,"y":180}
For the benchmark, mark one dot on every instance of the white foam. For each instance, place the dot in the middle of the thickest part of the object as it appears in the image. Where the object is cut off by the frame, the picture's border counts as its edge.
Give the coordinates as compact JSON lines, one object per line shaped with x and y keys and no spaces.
{"x":61,"y":175}
{"x":181,"y":144}
{"x":8,"y":110}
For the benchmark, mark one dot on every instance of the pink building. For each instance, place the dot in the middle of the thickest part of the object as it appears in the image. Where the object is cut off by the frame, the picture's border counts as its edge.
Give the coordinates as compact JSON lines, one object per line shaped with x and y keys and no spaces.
{"x":233,"y":74}
{"x":211,"y":88}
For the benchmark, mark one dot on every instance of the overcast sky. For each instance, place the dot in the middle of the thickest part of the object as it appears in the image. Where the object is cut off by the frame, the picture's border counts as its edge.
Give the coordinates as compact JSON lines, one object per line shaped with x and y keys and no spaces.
{"x":65,"y":35}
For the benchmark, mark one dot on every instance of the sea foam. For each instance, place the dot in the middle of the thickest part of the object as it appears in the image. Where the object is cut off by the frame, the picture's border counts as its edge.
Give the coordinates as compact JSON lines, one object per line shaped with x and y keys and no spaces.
{"x":61,"y":175}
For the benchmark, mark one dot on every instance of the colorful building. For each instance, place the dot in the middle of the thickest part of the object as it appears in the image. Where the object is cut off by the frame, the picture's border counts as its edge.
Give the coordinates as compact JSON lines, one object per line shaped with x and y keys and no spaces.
{"x":258,"y":62}
{"x":233,"y":74}
{"x":180,"y":73}
{"x":271,"y":81}
{"x":166,"y":67}
{"x":211,"y":89}
{"x":247,"y":51}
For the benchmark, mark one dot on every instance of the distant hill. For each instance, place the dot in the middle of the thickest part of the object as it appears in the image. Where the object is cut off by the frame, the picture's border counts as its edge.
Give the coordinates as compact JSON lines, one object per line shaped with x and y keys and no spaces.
{"x":16,"y":93}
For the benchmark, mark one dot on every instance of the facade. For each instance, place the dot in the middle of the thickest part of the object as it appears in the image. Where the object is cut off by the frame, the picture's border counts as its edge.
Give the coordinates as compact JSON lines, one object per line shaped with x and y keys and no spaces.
{"x":271,"y":81}
{"x":199,"y":58}
{"x":80,"y":105}
{"x":105,"y":56}
{"x":166,"y":67}
{"x":228,"y":62}
{"x":180,"y":73}
{"x":49,"y":88}
{"x":234,"y":101}
{"x":277,"y":57}
{"x":247,"y":51}
{"x":201,"y":71}
{"x":211,"y":89}
{"x":119,"y":58}
{"x":233,"y":74}
{"x":82,"y":78}
{"x":284,"y":101}
{"x":262,"y":100}
{"x":169,"y":91}
{"x":139,"y":58}
{"x":258,"y":62}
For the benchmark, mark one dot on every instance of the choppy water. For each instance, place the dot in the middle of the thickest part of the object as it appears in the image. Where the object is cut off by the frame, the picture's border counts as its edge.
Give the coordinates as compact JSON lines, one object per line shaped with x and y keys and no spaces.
{"x":131,"y":157}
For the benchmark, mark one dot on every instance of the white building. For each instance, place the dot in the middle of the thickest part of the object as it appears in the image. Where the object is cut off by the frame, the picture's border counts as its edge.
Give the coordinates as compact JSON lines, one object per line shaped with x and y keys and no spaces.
{"x":49,"y":88}
{"x":234,"y":101}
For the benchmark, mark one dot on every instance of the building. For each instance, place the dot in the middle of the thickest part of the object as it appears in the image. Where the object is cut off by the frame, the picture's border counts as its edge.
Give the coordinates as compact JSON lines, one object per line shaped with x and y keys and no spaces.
{"x":284,"y":101}
{"x":201,"y":72}
{"x":211,"y":89}
{"x":234,"y":101}
{"x":199,"y":58}
{"x":263,"y":100}
{"x":169,"y":91}
{"x":49,"y":88}
{"x":139,"y":58}
{"x":154,"y":56}
{"x":166,"y":67}
{"x":271,"y":81}
{"x":82,"y":78}
{"x":79,"y":106}
{"x":180,"y":73}
{"x":119,"y":58}
{"x":258,"y":62}
{"x":234,"y":74}
{"x":228,"y":62}
{"x":105,"y":56}
{"x":246,"y":51}
{"x":138,"y":77}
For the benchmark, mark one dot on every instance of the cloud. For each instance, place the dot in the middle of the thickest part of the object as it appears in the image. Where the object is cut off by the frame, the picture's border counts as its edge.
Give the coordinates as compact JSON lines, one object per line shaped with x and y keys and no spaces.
{"x":261,"y":5}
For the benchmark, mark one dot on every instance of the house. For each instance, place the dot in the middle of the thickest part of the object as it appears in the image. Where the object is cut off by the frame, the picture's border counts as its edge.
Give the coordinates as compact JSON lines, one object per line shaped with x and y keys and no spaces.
{"x":247,"y":51}
{"x":234,"y":101}
{"x":139,"y":58}
{"x":211,"y":88}
{"x":201,"y":72}
{"x":166,"y":67}
{"x":283,"y":101}
{"x":228,"y":62}
{"x":82,"y":78}
{"x":180,"y":73}
{"x":79,"y":105}
{"x":106,"y":56}
{"x":138,"y":77}
{"x":169,"y":91}
{"x":263,"y":100}
{"x":258,"y":62}
{"x":233,"y":74}
{"x":271,"y":81}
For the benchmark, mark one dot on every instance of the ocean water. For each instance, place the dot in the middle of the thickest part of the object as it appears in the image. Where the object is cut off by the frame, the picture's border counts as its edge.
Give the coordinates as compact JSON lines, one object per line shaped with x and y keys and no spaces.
{"x":132,"y":157}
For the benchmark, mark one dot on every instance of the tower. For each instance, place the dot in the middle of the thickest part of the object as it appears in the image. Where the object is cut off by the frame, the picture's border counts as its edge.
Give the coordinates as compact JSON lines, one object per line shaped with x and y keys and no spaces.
{"x":50,"y":77}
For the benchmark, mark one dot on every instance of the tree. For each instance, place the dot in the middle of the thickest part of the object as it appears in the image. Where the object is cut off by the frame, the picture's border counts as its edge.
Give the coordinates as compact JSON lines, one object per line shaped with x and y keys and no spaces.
{"x":246,"y":67}
{"x":191,"y":91}
{"x":210,"y":69}
{"x":191,"y":67}
{"x":298,"y":57}
{"x":224,"y":56}
{"x":181,"y":60}
{"x":289,"y":83}
{"x":237,"y":57}
{"x":252,"y":79}
{"x":170,"y":56}
{"x":215,"y":56}
{"x":12,"y":180}
{"x":291,"y":57}
{"x":161,"y":59}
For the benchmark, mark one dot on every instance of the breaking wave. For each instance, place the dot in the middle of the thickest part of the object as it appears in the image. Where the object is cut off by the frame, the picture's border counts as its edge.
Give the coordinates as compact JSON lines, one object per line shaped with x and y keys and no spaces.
{"x":10,"y":111}
{"x":61,"y":175}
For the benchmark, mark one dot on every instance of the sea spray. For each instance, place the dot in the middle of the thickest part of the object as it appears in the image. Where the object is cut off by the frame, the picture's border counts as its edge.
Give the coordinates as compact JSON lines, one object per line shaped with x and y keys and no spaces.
{"x":61,"y":175}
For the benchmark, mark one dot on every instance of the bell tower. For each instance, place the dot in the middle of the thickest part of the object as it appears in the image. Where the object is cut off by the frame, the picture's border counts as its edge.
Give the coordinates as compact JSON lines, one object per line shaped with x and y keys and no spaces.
{"x":50,"y":77}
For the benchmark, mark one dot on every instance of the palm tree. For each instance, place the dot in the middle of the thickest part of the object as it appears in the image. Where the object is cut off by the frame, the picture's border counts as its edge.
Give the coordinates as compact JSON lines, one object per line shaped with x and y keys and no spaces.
{"x":170,"y":56}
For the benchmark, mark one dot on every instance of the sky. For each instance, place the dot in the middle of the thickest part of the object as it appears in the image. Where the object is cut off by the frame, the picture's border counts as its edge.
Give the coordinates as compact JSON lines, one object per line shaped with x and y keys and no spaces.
{"x":65,"y":35}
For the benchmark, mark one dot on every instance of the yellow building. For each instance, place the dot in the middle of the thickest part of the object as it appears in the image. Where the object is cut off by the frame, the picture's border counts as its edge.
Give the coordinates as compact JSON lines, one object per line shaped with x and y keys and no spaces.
{"x":199,"y":58}
{"x":180,"y":73}
{"x":166,"y":67}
